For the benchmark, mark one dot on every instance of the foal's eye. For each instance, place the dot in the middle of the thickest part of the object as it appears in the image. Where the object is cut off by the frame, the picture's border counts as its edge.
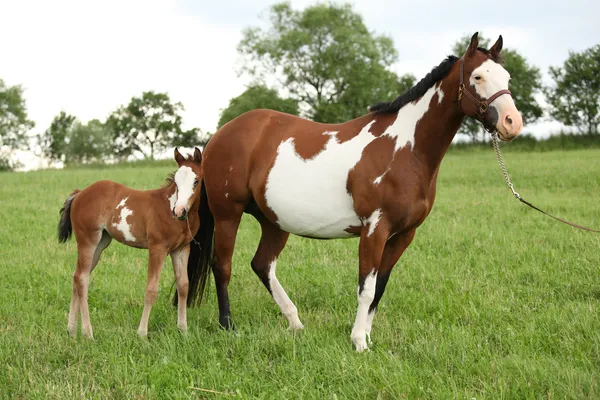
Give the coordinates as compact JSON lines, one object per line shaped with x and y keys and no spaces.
{"x":196,"y":183}
{"x":478,"y":78}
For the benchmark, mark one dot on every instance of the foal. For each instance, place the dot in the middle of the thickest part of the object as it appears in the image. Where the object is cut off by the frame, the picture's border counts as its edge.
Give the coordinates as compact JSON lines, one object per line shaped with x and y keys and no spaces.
{"x":162,"y":220}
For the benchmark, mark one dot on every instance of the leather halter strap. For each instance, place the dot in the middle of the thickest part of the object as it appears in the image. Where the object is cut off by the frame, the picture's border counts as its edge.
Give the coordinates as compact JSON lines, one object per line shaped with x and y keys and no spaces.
{"x":482,"y":105}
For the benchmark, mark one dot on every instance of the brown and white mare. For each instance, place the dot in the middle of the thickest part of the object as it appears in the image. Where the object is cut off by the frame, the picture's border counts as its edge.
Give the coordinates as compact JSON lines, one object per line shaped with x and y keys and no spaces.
{"x":373,"y":177}
{"x":162,"y":220}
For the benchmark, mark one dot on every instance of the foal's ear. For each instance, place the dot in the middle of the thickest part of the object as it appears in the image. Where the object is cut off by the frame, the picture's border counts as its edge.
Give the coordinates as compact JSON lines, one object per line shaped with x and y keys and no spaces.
{"x":197,"y":155}
{"x":496,"y":48}
{"x":178,"y":157}
{"x":473,"y":45}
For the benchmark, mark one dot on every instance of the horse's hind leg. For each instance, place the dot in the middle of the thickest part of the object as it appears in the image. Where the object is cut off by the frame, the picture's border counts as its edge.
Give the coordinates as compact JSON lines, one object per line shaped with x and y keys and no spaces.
{"x":87,"y":243}
{"x":155,"y":263}
{"x":272,"y":242}
{"x":225,"y":234}
{"x":180,"y":259}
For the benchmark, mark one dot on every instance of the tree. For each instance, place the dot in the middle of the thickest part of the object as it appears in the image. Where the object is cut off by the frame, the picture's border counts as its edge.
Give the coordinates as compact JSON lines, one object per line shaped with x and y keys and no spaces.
{"x":87,"y":143}
{"x":148,"y":124}
{"x":574,"y":97}
{"x":257,"y":96}
{"x":71,"y":141}
{"x":525,"y":83}
{"x":54,"y":140}
{"x":325,"y":58}
{"x":13,"y":117}
{"x":13,"y":123}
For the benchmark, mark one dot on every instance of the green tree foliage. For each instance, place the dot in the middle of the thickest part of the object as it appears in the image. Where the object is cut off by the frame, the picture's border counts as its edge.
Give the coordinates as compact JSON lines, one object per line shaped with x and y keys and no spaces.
{"x":13,"y":117}
{"x":148,"y":125}
{"x":88,"y":143}
{"x":257,"y":96}
{"x":54,"y":140}
{"x":13,"y":124}
{"x":325,"y":58}
{"x":525,"y":83}
{"x":73,"y":142}
{"x":574,"y":97}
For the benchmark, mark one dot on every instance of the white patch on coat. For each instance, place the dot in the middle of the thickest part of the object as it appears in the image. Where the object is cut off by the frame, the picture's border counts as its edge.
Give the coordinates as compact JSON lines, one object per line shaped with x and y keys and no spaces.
{"x":122,"y":203}
{"x":173,"y":199}
{"x":377,"y":180}
{"x":365,"y":298}
{"x":372,"y":221}
{"x":404,"y":127}
{"x":122,"y":226}
{"x":309,"y":197}
{"x":330,"y":133}
{"x":184,"y":179}
{"x":287,"y":307}
{"x":440,"y":94}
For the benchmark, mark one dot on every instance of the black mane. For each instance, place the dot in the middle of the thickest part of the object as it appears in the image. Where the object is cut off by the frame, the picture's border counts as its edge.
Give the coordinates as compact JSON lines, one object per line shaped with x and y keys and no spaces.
{"x":436,"y":74}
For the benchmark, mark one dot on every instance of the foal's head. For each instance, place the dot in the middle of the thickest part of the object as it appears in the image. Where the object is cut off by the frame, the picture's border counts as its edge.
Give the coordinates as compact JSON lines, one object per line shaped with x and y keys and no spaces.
{"x":187,"y":179}
{"x":484,"y":77}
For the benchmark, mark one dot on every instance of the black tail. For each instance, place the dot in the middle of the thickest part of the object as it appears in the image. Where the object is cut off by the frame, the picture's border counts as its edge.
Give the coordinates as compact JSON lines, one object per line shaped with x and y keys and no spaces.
{"x":200,"y":256}
{"x":65,"y":229}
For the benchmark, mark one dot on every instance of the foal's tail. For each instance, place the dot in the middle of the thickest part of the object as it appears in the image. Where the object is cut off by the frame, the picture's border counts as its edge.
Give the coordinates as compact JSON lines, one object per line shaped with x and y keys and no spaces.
{"x":65,"y":229}
{"x":199,"y":262}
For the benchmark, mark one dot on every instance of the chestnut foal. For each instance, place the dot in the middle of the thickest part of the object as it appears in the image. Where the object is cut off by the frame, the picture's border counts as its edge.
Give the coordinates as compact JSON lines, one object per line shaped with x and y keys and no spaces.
{"x":162,"y":220}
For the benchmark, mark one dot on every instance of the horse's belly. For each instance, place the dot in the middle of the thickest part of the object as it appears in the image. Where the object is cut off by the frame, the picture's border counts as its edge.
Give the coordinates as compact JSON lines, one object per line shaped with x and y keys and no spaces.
{"x":309,"y":197}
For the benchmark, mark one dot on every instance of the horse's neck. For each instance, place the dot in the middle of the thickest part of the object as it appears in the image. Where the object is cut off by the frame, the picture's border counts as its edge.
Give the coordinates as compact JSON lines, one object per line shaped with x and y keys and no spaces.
{"x":435,"y":135}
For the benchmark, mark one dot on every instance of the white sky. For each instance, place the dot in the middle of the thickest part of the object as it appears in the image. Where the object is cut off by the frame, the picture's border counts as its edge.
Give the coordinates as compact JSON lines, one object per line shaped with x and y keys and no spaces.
{"x":88,"y":57}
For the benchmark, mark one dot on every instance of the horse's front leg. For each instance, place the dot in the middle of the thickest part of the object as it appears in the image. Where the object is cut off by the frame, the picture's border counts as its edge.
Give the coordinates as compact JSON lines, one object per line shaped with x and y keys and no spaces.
{"x":155,"y":263}
{"x":373,"y":237}
{"x":180,"y":260}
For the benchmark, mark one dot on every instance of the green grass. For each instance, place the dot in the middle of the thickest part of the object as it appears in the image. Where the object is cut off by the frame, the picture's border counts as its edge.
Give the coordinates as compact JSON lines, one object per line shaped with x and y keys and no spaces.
{"x":492,"y":300}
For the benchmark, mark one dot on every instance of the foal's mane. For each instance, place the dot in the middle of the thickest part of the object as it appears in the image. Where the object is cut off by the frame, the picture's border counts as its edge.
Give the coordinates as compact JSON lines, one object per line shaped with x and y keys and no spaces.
{"x":417,"y":91}
{"x":170,"y":179}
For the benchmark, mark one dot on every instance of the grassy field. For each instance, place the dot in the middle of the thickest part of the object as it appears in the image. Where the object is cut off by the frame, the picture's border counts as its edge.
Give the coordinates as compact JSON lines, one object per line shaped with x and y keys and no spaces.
{"x":492,"y":300}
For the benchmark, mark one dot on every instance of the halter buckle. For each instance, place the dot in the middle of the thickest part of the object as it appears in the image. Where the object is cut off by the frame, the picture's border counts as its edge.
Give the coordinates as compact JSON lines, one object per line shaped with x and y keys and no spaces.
{"x":483,"y":107}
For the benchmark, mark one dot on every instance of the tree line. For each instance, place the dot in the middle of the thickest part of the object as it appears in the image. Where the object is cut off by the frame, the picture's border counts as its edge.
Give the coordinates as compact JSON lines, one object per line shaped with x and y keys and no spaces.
{"x":321,"y":63}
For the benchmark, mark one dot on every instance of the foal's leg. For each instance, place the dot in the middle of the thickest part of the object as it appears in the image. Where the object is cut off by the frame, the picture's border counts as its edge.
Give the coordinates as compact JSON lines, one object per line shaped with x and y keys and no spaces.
{"x":272,"y":241}
{"x":155,"y":263}
{"x":87,"y":243}
{"x":77,"y":277}
{"x":394,"y":248}
{"x":225,"y":234}
{"x":372,"y":242}
{"x":180,"y":259}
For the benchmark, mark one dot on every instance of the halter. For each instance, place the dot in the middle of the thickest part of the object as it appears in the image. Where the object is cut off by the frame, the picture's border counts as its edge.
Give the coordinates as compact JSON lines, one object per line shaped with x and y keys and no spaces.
{"x":482,"y":105}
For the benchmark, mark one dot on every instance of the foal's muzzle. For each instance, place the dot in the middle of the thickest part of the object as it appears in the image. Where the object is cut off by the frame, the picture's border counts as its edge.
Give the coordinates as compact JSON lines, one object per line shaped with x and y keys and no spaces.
{"x":182,"y":216}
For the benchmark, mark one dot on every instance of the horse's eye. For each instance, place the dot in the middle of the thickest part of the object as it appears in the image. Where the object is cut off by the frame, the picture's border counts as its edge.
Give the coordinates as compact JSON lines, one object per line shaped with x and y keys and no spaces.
{"x":196,"y":183}
{"x":478,"y":78}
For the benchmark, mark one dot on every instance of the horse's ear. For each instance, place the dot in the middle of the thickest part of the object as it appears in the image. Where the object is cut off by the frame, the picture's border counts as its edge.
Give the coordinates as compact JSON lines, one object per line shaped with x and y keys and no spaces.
{"x":178,"y":157}
{"x":496,"y":48}
{"x":197,"y":155}
{"x":473,"y":45}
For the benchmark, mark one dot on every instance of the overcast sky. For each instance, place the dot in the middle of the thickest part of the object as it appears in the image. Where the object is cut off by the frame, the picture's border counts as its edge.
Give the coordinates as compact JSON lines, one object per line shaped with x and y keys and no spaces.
{"x":87,"y":57}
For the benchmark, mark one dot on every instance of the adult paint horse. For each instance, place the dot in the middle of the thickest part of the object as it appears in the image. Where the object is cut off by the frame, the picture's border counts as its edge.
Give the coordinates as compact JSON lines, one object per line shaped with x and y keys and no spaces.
{"x":162,"y":220}
{"x":373,"y":177}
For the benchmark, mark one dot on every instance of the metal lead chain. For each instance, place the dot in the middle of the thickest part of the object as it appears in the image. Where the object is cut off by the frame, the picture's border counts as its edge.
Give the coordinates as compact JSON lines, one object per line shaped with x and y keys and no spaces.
{"x":502,"y":167}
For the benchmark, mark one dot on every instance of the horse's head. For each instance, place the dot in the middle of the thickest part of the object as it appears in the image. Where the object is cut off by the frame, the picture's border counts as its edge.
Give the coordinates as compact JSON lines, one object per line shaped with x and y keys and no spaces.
{"x":187,"y":179}
{"x":483,"y":91}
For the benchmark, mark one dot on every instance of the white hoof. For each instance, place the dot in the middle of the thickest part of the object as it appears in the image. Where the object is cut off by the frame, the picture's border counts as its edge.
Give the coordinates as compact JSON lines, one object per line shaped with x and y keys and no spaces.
{"x":295,"y":326}
{"x":87,"y":332}
{"x":360,"y":343}
{"x":142,"y":333}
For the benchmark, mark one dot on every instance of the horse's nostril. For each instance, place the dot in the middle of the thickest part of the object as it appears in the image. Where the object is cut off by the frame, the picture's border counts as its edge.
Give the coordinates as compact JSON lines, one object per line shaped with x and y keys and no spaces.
{"x":509,"y":120}
{"x":184,"y":212}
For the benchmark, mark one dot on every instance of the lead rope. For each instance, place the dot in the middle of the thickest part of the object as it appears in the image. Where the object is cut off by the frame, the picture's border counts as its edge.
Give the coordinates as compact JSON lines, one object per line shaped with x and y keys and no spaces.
{"x":517,"y":195}
{"x":190,"y":231}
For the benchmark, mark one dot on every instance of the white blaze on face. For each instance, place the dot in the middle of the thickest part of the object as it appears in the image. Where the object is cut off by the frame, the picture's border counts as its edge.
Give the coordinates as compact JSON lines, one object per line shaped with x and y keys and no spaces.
{"x":184,"y":180}
{"x":122,"y":226}
{"x":488,"y":79}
